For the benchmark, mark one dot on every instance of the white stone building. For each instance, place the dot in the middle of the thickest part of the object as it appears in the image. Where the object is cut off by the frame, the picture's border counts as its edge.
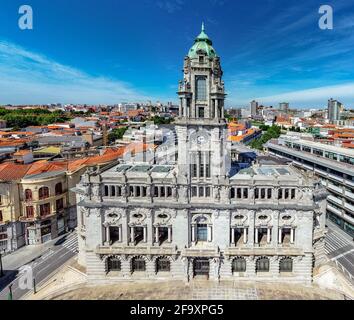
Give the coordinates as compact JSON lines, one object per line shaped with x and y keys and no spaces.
{"x":203,"y":216}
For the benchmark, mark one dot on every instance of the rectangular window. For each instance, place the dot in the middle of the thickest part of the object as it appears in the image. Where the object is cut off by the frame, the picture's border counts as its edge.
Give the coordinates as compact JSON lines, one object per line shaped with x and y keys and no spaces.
{"x":239,"y":193}
{"x":114,"y":234}
{"x":201,"y":191}
{"x":30,"y":212}
{"x":44,"y":209}
{"x":256,"y":193}
{"x":201,"y":88}
{"x":280,"y":194}
{"x":60,"y":204}
{"x":194,"y":192}
{"x":201,"y":112}
{"x":202,"y":232}
{"x":245,"y":193}
{"x":269,"y":193}
{"x":1,"y":217}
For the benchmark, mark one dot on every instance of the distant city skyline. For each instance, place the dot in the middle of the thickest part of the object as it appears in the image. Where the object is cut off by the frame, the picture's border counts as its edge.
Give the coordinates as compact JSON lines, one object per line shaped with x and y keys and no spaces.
{"x":107,"y":52}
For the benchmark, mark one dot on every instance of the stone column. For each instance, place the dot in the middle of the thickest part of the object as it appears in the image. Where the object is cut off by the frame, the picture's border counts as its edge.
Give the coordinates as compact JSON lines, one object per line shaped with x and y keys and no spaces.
{"x":280,"y":235}
{"x":205,"y":164}
{"x":244,"y":235}
{"x":256,"y":235}
{"x":108,"y":240}
{"x":180,"y":110}
{"x":198,"y":166}
{"x":268,"y":235}
{"x":184,"y":107}
{"x":193,"y":233}
{"x":210,"y":233}
{"x":232,"y":236}
{"x":169,"y":234}
{"x":145,"y":233}
{"x":156,"y":234}
{"x":292,"y":236}
{"x":216,"y":109}
{"x":120,"y":233}
{"x":251,"y":229}
{"x":132,"y":235}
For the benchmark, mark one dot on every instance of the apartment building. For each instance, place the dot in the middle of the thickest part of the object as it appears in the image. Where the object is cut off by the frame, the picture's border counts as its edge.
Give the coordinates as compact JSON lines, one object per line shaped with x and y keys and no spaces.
{"x":333,"y":165}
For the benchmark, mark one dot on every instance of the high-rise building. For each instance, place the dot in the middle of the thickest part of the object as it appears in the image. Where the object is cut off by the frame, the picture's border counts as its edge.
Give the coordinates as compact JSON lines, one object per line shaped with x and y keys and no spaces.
{"x":254,"y":108}
{"x":334,"y":108}
{"x":284,"y":107}
{"x":202,"y":216}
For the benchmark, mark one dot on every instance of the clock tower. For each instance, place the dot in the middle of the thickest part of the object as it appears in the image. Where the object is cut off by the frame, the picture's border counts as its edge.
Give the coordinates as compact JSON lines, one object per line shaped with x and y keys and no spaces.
{"x":203,"y":152}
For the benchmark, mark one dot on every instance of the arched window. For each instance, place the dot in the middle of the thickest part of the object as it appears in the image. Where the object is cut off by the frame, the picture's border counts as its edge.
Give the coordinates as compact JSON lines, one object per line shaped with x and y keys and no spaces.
{"x":163,"y":265}
{"x":286,"y":265}
{"x":113,"y":264}
{"x":262,"y":265}
{"x":138,"y":264}
{"x":58,"y":188}
{"x":43,"y":193}
{"x":28,"y":195}
{"x":238,"y":265}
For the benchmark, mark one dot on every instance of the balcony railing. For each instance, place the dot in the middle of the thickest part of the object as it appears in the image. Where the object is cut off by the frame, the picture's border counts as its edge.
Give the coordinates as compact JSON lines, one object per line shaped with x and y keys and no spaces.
{"x":349,"y":206}
{"x":333,"y":209}
{"x":335,"y":200}
{"x":349,"y":194}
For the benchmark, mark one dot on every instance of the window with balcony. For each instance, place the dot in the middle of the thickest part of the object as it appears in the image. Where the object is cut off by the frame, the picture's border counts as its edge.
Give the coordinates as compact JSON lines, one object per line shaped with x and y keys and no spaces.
{"x":43,"y":193}
{"x":59,"y":204}
{"x":28,"y":195}
{"x":202,"y":232}
{"x":58,"y":189}
{"x":44,"y":209}
{"x":114,"y":234}
{"x":162,"y":235}
{"x":29,"y":212}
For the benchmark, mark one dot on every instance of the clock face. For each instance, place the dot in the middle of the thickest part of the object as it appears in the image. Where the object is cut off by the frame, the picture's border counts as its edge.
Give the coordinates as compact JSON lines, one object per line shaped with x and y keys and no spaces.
{"x":200,"y":138}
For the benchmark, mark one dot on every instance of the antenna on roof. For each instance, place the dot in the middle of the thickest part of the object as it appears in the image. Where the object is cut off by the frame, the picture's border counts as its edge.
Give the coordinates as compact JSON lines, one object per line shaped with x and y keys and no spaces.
{"x":203,"y":27}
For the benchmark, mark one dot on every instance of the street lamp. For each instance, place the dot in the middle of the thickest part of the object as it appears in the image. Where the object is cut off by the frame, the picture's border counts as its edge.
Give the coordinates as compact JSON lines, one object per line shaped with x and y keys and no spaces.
{"x":10,"y":297}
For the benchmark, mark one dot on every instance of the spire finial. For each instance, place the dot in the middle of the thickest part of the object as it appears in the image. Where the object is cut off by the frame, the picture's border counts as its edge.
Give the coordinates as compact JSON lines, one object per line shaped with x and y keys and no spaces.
{"x":203,"y":28}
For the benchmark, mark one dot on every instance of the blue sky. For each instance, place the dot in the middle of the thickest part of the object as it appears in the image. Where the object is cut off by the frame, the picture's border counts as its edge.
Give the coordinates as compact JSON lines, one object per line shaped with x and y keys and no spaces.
{"x":108,"y":51}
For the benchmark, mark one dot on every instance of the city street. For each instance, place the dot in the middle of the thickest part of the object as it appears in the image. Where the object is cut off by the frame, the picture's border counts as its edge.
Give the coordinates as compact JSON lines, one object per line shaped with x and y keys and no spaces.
{"x":43,"y":266}
{"x":340,"y":249}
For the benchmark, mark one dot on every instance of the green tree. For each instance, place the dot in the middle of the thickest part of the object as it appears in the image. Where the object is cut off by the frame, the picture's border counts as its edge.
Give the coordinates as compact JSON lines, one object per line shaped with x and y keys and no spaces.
{"x":117,"y":134}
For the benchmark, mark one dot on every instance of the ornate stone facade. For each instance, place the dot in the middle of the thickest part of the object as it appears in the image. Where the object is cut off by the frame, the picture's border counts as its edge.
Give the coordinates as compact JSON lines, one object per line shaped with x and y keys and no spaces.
{"x":203,"y":217}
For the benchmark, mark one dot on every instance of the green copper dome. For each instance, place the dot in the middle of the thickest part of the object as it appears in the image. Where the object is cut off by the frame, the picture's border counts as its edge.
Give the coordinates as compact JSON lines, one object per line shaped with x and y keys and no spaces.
{"x":202,"y":42}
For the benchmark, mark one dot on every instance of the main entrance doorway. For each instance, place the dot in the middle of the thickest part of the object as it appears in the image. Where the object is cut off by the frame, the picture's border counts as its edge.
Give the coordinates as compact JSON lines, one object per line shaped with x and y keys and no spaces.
{"x":201,"y":267}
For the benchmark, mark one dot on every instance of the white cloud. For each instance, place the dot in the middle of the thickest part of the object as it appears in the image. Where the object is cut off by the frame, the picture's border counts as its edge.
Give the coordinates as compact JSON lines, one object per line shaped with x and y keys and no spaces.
{"x":28,"y":77}
{"x":314,"y":97}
